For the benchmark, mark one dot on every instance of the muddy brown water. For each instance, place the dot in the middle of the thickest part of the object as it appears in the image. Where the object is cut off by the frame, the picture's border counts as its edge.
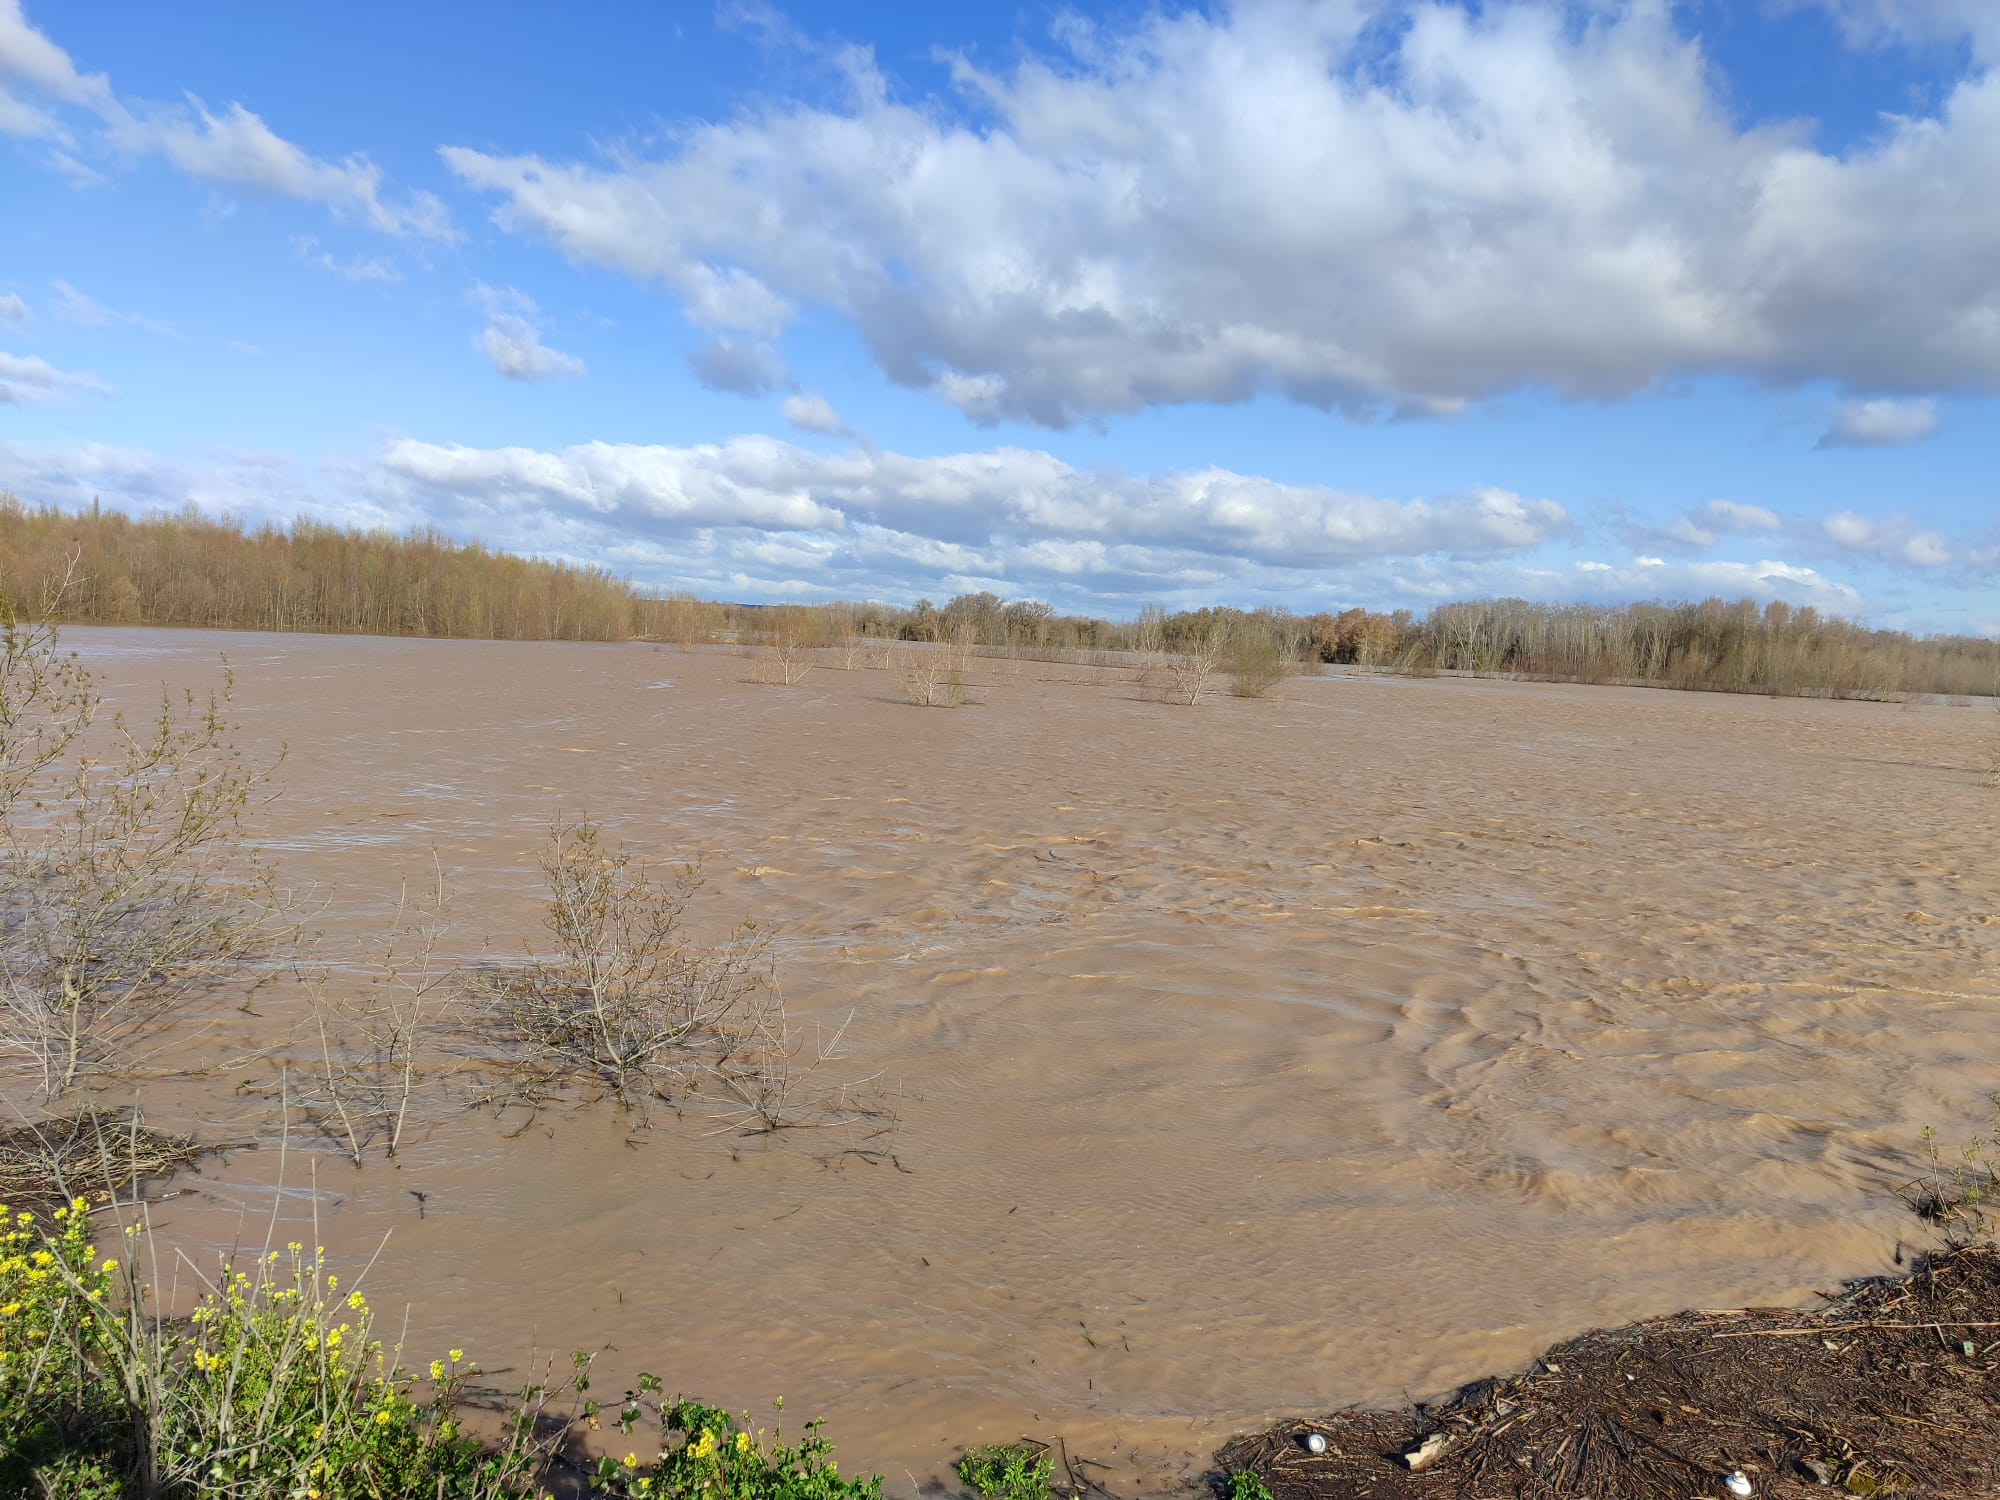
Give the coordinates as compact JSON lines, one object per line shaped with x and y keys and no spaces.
{"x":1252,"y":1059}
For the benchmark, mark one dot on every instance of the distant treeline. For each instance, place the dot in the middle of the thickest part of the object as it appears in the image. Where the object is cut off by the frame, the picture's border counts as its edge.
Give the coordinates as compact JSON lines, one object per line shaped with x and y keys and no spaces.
{"x":189,"y":569}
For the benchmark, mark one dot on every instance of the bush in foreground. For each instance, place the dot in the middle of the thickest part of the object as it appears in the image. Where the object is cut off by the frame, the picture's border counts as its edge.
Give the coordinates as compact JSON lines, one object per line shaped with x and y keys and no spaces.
{"x":273,"y":1386}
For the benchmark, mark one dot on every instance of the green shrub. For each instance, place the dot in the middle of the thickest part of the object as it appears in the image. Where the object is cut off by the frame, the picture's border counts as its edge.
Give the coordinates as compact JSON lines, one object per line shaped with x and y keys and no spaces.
{"x":272,"y":1386}
{"x":1003,"y":1471}
{"x":715,"y":1459}
{"x":1257,"y":660}
{"x":274,"y":1389}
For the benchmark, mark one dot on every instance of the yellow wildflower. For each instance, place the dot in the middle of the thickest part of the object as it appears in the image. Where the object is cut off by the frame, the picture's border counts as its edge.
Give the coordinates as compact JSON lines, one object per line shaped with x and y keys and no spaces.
{"x":631,"y":1460}
{"x":381,"y":1419}
{"x":110,"y":1266}
{"x":457,"y":1355}
{"x":437,"y":1369}
{"x":742,"y":1442}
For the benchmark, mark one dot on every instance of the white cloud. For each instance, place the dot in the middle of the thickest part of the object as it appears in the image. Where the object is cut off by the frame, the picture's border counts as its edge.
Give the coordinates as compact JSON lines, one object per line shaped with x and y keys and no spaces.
{"x":1890,"y":540}
{"x":1202,"y":208}
{"x":358,"y":268}
{"x":73,"y":306}
{"x":14,"y":310}
{"x":232,"y":145}
{"x":1735,"y":518}
{"x":29,"y":56}
{"x":810,"y":413}
{"x":238,"y":148}
{"x":513,"y":338}
{"x":1878,"y":23}
{"x":27,"y":379}
{"x":1880,"y":423}
{"x":20,"y":118}
{"x":1005,"y":496}
{"x":1655,"y":578}
{"x":759,"y":518}
{"x":743,"y":367}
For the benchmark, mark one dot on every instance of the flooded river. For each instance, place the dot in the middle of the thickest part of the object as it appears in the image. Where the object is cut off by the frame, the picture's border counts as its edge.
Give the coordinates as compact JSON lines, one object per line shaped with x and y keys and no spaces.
{"x":1251,"y":1059}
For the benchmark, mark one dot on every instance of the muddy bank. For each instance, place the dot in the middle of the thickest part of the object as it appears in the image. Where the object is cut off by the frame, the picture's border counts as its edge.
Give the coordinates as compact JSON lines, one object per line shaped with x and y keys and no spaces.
{"x":1893,"y":1389}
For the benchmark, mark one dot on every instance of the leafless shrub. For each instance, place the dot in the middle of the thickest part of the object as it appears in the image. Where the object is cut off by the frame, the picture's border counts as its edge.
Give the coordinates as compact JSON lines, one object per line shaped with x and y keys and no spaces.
{"x":851,"y":650}
{"x":128,"y":889}
{"x":935,"y":677}
{"x":786,"y":654}
{"x":632,"y":1005}
{"x":782,"y":663}
{"x":628,"y":998}
{"x":1193,"y":661}
{"x":374,"y":1035}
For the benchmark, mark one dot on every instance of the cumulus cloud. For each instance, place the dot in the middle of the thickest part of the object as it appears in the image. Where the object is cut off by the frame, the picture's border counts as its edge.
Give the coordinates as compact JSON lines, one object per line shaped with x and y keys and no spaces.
{"x":512,"y":341}
{"x":1657,"y":578}
{"x":1893,"y":539}
{"x":1203,"y":207}
{"x":73,"y":306}
{"x":27,"y":379}
{"x":1881,"y":423}
{"x":14,"y":310}
{"x":230,"y":145}
{"x":756,"y":517}
{"x":810,"y":413}
{"x":742,"y":367}
{"x":1016,"y":496}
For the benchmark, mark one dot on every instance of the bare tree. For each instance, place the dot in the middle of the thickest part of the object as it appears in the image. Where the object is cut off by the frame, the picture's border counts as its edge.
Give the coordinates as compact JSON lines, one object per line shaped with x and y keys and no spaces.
{"x":787,"y":653}
{"x":1149,"y":631}
{"x":1194,"y":660}
{"x":632,"y":1004}
{"x":375,"y":1033}
{"x":935,"y":677}
{"x":628,"y":997}
{"x":128,"y":889}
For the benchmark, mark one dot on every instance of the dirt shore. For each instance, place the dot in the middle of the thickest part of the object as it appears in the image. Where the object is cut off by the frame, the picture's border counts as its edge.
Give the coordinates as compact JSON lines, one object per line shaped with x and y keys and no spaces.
{"x":1892,"y":1389}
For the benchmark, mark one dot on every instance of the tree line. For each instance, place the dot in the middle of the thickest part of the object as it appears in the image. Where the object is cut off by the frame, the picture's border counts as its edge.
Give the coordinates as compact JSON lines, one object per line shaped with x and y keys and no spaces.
{"x":192,"y":569}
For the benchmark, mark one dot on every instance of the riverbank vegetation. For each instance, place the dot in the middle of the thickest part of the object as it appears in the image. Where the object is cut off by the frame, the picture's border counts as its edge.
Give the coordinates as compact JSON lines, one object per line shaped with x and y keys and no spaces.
{"x":272,"y":1384}
{"x":192,"y":570}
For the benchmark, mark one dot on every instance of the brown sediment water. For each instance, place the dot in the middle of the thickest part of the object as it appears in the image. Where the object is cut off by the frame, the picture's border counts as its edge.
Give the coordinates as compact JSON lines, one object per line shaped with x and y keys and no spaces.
{"x":1255,"y":1058}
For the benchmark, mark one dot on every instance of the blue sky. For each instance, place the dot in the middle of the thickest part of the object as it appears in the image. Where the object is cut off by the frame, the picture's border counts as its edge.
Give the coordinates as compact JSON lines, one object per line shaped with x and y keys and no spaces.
{"x":1282,"y":302}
